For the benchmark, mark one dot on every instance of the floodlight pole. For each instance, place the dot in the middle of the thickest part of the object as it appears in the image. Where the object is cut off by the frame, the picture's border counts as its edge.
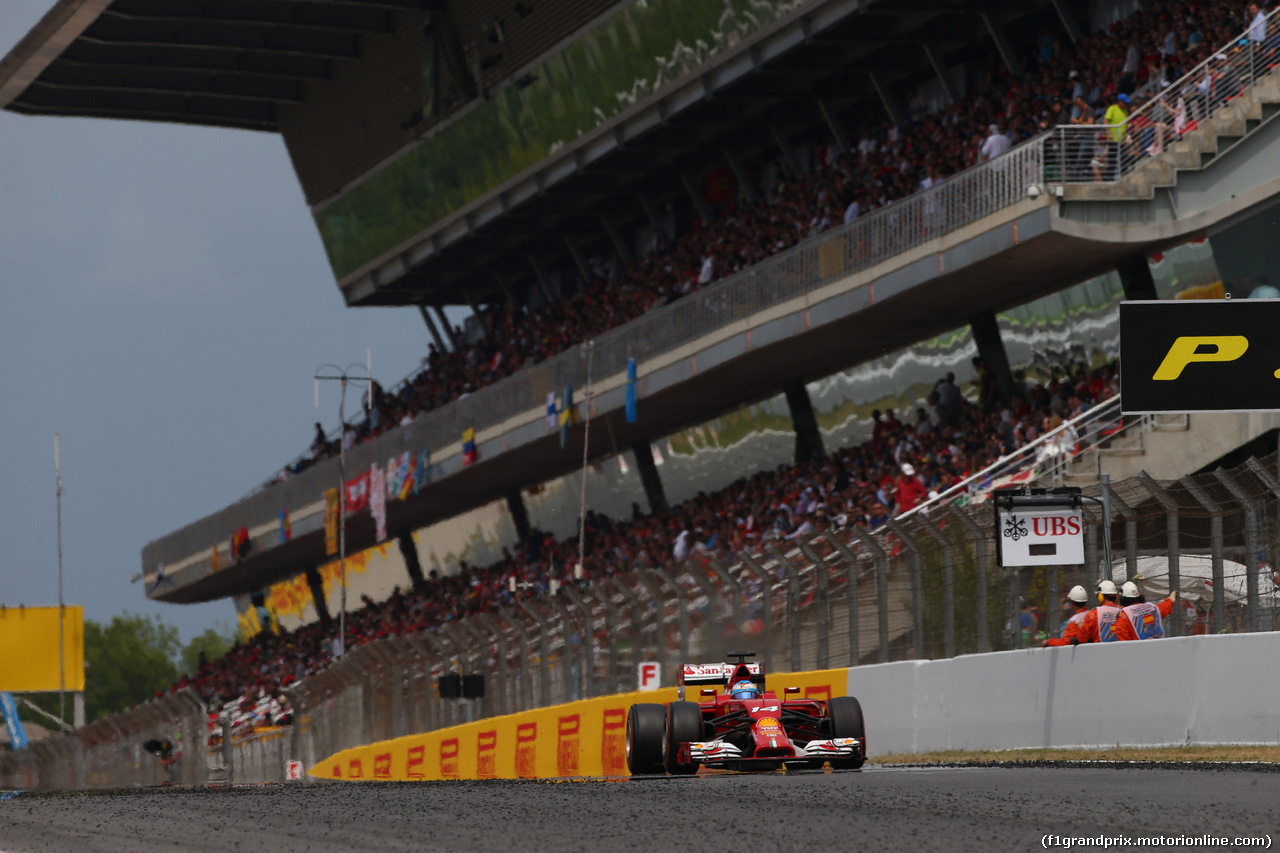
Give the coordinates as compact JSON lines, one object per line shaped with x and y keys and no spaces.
{"x":343,"y":377}
{"x":62,"y":666}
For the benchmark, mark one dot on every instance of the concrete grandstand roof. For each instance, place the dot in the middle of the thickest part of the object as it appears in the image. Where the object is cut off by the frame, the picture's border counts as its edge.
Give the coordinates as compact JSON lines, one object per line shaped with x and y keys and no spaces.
{"x":226,"y":63}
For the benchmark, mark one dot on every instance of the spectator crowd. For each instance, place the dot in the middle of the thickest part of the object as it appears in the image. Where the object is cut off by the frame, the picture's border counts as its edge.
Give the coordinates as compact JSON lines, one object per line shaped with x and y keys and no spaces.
{"x":1085,"y":83}
{"x":903,"y":463}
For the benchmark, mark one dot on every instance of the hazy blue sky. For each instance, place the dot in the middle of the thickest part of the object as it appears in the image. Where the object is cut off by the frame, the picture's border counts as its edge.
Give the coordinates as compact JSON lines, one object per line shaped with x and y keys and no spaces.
{"x":164,"y":303}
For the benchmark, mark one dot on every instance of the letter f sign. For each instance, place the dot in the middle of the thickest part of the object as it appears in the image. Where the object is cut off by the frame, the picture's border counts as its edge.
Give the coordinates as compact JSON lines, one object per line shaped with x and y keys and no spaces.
{"x":1187,"y":350}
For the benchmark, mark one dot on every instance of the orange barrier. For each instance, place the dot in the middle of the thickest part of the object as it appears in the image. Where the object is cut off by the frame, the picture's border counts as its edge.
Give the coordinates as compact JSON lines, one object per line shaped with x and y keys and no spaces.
{"x":585,"y":738}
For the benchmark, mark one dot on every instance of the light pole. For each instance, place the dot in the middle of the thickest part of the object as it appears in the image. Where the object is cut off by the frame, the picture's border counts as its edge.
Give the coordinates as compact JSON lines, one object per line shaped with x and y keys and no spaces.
{"x":62,"y":610}
{"x":333,"y":373}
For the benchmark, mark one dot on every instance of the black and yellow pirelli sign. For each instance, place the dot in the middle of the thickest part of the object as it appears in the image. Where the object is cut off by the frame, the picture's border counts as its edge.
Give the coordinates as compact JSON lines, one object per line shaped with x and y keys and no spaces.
{"x":1200,"y":356}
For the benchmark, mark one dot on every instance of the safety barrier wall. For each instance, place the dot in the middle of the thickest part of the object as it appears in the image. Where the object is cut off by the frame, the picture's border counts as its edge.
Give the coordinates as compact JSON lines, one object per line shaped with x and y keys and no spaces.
{"x":1215,"y":689}
{"x":586,"y":738}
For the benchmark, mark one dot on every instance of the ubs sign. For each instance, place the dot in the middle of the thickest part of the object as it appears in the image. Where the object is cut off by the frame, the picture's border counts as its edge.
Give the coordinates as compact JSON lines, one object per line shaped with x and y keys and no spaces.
{"x":1039,"y":536}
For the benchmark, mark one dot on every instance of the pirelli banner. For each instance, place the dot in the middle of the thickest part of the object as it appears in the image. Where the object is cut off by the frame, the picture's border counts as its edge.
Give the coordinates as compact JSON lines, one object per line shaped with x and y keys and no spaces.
{"x":585,"y":738}
{"x":1211,"y":355}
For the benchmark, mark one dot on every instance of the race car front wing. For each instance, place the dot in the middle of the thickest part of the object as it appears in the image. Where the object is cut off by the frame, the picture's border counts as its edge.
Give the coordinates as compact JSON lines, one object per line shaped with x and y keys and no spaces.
{"x":718,"y":753}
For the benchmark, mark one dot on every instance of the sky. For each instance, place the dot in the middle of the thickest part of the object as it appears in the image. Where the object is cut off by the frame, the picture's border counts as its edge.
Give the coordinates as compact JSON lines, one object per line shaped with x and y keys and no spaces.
{"x":164,"y":304}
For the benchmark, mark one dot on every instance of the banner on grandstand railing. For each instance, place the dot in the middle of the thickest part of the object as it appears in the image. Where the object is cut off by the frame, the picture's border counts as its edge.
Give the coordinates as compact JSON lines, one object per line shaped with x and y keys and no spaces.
{"x":357,"y":494}
{"x":378,"y":501}
{"x":1200,"y":355}
{"x":330,"y":522}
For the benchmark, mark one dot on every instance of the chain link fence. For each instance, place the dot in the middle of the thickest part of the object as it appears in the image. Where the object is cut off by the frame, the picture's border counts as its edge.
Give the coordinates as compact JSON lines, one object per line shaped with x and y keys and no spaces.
{"x":922,"y":587}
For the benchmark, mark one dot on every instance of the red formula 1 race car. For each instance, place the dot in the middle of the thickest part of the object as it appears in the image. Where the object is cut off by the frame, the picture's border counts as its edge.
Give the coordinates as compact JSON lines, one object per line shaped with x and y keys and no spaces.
{"x":743,"y":727}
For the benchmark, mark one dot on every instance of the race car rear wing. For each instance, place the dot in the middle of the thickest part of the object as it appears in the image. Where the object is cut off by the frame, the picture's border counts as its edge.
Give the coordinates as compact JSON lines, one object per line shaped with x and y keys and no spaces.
{"x":717,"y":673}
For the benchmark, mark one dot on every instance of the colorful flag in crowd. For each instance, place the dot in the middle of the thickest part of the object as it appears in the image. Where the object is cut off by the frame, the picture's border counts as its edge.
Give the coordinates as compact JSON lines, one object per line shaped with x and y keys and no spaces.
{"x":553,"y":419}
{"x":378,"y":500}
{"x":330,"y":522}
{"x":404,"y":477}
{"x":422,"y":472}
{"x":357,"y":494}
{"x":286,"y":527}
{"x":631,"y":390}
{"x":566,"y":414}
{"x":468,"y":446}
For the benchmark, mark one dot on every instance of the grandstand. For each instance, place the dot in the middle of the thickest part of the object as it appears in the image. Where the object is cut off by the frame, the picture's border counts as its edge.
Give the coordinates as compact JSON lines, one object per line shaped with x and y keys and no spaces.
{"x":779,"y":212}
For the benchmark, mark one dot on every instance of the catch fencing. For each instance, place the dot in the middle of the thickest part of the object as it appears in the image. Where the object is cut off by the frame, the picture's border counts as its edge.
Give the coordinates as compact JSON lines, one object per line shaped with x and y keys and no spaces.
{"x":922,"y":587}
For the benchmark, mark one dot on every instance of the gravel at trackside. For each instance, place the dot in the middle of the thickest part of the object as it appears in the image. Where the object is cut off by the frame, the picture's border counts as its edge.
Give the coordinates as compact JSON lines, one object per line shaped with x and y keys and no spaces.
{"x":957,"y":808}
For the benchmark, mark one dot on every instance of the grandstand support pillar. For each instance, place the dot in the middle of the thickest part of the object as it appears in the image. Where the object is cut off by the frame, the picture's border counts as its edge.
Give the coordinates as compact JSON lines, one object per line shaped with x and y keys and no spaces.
{"x":576,"y":252}
{"x":833,"y":123}
{"x":804,"y":422}
{"x":699,"y":202}
{"x":542,"y":280}
{"x":1003,"y":47}
{"x":615,"y":237}
{"x":431,"y":327}
{"x":1068,"y":21}
{"x":317,"y":593}
{"x":475,"y":309}
{"x":519,"y":515}
{"x":650,"y":211}
{"x":744,"y":179}
{"x":409,"y":550}
{"x":1136,"y":278}
{"x":448,"y":330}
{"x":986,"y":336}
{"x":886,"y":98}
{"x":649,"y":478}
{"x":938,"y":61}
{"x":788,"y":153}
{"x":507,"y":292}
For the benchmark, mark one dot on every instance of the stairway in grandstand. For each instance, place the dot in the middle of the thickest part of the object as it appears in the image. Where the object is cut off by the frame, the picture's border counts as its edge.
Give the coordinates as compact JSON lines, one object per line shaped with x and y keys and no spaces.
{"x":1230,"y":124}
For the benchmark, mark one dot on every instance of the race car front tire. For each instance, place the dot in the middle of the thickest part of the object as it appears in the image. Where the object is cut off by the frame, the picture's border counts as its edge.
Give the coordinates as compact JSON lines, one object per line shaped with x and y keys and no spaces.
{"x":646,"y":738}
{"x":846,"y":721}
{"x":684,"y":725}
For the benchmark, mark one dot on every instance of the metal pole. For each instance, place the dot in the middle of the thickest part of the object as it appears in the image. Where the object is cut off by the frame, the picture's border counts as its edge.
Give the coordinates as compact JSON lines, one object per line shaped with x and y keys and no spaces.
{"x":62,"y":610}
{"x":917,"y":585}
{"x":793,"y":604}
{"x":882,"y":587}
{"x":588,"y":350}
{"x":342,"y":518}
{"x":750,"y":564}
{"x":1215,"y":547}
{"x":1251,"y":539}
{"x":823,"y":603}
{"x":1170,"y":508}
{"x":851,"y":588}
{"x":1106,"y":525}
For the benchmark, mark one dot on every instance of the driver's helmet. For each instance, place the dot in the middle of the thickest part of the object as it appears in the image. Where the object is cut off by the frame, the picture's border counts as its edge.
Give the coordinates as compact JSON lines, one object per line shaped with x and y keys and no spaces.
{"x":745,"y":690}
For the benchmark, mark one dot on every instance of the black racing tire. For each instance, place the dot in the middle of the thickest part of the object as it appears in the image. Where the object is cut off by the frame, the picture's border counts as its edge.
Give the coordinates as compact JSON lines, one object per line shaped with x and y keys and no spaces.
{"x":845,"y":713}
{"x":684,"y":725}
{"x":646,"y":738}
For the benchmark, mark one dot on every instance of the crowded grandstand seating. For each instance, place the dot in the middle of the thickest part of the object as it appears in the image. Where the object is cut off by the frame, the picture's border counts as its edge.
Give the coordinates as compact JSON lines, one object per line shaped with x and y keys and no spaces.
{"x":904,"y":463}
{"x":1063,"y":85}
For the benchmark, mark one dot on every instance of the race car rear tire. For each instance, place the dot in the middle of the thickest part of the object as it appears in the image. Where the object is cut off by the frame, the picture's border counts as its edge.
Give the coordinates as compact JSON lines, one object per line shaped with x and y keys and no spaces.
{"x":846,"y":721}
{"x":646,"y":738}
{"x":684,"y":725}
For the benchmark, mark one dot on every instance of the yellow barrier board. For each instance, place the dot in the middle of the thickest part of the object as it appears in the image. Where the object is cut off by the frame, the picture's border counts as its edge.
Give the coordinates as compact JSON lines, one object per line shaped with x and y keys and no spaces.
{"x":29,"y":638}
{"x":586,"y":738}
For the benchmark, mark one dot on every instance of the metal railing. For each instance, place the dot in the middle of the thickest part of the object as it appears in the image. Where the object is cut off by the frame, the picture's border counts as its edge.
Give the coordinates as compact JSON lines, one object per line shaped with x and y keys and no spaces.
{"x":926,"y":585}
{"x":1104,"y":153}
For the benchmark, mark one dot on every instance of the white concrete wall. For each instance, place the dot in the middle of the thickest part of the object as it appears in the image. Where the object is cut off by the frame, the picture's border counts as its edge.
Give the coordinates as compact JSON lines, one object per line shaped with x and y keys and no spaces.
{"x":1218,"y":689}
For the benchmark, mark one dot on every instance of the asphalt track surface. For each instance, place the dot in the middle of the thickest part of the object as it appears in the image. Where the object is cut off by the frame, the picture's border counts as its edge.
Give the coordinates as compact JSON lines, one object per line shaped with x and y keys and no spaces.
{"x":877,"y":809}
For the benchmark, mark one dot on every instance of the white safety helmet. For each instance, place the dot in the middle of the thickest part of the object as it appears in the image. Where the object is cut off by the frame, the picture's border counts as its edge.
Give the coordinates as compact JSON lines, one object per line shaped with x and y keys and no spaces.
{"x":1106,"y":588}
{"x":1078,"y":595}
{"x":1129,"y":590}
